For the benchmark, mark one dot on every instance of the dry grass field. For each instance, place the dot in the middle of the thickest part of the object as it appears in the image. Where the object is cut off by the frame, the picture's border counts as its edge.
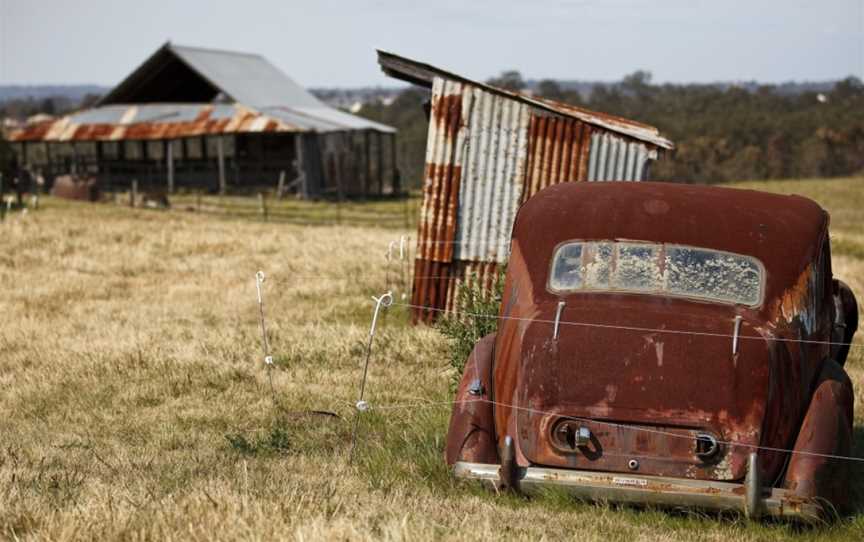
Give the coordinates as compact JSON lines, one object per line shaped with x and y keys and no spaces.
{"x":136,"y":405}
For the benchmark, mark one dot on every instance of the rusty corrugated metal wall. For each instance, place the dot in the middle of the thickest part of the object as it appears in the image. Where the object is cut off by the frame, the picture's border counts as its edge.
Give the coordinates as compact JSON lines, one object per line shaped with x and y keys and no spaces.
{"x":487,"y":153}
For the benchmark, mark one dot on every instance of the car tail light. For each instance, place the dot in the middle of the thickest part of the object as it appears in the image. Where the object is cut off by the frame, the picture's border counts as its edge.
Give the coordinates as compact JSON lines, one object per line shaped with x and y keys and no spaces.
{"x":707,"y":446}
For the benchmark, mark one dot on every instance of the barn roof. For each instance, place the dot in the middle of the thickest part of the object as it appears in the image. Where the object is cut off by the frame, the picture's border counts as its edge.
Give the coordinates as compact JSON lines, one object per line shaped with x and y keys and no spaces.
{"x":244,"y":78}
{"x":183,"y":91}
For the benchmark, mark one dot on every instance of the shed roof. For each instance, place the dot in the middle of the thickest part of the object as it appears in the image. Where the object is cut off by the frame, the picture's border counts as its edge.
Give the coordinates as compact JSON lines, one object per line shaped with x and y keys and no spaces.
{"x":422,"y":74}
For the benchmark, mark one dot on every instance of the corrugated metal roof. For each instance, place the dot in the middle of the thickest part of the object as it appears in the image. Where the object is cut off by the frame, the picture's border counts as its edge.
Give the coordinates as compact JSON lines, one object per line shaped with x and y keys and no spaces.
{"x":160,"y":121}
{"x":423,"y":74}
{"x":247,"y":78}
{"x":325,"y":119}
{"x":242,"y":78}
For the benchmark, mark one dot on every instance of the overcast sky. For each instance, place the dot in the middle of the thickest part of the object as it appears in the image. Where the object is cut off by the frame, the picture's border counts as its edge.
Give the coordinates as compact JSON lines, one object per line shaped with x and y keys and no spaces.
{"x":332,"y":42}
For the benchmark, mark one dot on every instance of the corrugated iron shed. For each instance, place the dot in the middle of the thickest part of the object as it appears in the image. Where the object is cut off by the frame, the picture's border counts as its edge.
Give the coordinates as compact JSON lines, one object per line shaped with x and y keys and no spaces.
{"x":490,"y":149}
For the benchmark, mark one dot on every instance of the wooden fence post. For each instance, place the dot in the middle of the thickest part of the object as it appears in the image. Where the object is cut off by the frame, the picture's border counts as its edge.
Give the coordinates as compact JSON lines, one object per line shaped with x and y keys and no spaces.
{"x":133,"y":196}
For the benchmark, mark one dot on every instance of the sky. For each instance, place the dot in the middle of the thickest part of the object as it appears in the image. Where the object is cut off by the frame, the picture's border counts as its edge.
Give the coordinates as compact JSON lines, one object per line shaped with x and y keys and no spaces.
{"x":331,"y":43}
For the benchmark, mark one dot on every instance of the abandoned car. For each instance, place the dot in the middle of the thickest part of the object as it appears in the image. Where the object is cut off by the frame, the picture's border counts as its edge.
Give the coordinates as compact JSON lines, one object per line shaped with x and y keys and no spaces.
{"x":665,"y":344}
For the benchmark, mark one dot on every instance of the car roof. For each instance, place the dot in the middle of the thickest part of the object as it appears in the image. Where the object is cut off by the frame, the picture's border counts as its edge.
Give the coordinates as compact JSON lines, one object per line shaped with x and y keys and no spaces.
{"x":784,"y":232}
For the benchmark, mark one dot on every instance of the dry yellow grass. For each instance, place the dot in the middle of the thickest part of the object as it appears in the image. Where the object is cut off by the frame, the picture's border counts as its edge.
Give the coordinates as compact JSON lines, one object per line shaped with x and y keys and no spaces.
{"x":135,"y":403}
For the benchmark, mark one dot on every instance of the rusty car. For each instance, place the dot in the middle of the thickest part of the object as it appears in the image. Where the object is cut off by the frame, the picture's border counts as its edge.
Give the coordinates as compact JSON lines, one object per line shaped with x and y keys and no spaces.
{"x":667,"y":345}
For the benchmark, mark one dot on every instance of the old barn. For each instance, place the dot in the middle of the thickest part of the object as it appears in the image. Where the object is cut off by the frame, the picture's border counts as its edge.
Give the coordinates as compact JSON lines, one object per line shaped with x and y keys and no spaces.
{"x":216,"y":120}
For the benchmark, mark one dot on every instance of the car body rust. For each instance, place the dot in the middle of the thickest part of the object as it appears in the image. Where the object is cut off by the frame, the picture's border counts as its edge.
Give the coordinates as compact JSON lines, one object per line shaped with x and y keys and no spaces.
{"x":664,"y":385}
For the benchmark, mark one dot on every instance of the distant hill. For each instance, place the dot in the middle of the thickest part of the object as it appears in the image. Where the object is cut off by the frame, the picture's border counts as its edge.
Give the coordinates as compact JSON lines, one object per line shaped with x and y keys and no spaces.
{"x":789,"y":88}
{"x":352,"y":98}
{"x":73,"y":93}
{"x":348,"y":97}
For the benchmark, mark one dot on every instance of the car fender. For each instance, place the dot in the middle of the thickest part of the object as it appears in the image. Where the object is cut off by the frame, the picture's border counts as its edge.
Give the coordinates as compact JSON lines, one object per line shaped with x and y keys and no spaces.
{"x":845,"y":321}
{"x":826,"y":431}
{"x":471,"y":436}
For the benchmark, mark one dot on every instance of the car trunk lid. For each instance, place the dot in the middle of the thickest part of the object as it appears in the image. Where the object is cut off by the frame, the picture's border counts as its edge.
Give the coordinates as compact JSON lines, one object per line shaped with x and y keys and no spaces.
{"x":646,"y":394}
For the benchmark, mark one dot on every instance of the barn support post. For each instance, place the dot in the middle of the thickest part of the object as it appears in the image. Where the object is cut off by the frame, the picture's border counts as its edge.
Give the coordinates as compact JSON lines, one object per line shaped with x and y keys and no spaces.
{"x":280,"y":186}
{"x":380,"y":138}
{"x":367,"y":158}
{"x":169,"y":164}
{"x":49,"y":160}
{"x":300,"y":166}
{"x":220,"y":159}
{"x":337,"y":172}
{"x":394,"y":169}
{"x":98,"y":145}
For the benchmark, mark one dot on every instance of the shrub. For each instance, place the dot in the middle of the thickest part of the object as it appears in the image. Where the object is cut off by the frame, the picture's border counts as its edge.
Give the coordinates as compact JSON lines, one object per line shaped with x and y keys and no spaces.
{"x":476,"y":316}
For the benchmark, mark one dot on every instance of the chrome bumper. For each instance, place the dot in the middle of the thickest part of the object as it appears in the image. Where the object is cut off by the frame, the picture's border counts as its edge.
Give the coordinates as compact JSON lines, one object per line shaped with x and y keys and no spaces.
{"x":649,"y":490}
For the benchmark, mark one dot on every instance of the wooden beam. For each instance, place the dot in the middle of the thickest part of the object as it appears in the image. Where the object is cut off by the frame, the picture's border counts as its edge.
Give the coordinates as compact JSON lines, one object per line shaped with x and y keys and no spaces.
{"x":380,"y":139}
{"x":220,"y":158}
{"x":169,"y":163}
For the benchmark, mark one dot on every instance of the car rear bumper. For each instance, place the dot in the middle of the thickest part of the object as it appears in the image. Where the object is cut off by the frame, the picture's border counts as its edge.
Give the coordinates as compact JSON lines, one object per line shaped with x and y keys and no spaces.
{"x":648,"y":490}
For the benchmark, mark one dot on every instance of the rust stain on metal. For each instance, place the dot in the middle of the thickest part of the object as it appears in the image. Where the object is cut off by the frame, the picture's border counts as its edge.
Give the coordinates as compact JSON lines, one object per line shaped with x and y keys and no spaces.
{"x":487,"y":154}
{"x":242,"y":119}
{"x":648,"y":397}
{"x":447,"y":112}
{"x":437,"y":284}
{"x":558,"y":152}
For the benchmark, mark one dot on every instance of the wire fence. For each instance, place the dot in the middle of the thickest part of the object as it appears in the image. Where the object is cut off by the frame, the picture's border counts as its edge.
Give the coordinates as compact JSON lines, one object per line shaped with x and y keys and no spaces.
{"x":395,"y":212}
{"x":399,"y":286}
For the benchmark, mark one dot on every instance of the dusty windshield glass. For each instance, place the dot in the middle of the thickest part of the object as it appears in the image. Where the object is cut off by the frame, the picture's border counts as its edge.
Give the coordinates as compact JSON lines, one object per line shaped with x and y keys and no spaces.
{"x":655,"y":268}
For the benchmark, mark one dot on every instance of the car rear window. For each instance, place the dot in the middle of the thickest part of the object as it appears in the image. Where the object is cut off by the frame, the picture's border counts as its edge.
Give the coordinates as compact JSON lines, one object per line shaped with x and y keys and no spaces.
{"x":661,"y":269}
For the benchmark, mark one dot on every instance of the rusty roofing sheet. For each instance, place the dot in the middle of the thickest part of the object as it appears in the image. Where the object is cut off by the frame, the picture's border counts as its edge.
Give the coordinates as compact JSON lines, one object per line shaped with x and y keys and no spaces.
{"x":616,"y":159}
{"x":160,"y":121}
{"x":485,"y":155}
{"x":495,"y":153}
{"x":423,"y":74}
{"x":444,"y":148}
{"x":558,"y":152}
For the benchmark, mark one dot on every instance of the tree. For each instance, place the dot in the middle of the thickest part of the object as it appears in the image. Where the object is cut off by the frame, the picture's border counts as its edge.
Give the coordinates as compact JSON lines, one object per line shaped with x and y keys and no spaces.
{"x":508,"y":80}
{"x":637,"y":80}
{"x":7,"y":160}
{"x":48,"y":106}
{"x":548,"y":88}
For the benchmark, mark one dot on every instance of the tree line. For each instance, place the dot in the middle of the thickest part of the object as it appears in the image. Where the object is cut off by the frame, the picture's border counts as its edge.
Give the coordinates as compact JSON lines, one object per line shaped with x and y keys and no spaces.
{"x":721,"y":132}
